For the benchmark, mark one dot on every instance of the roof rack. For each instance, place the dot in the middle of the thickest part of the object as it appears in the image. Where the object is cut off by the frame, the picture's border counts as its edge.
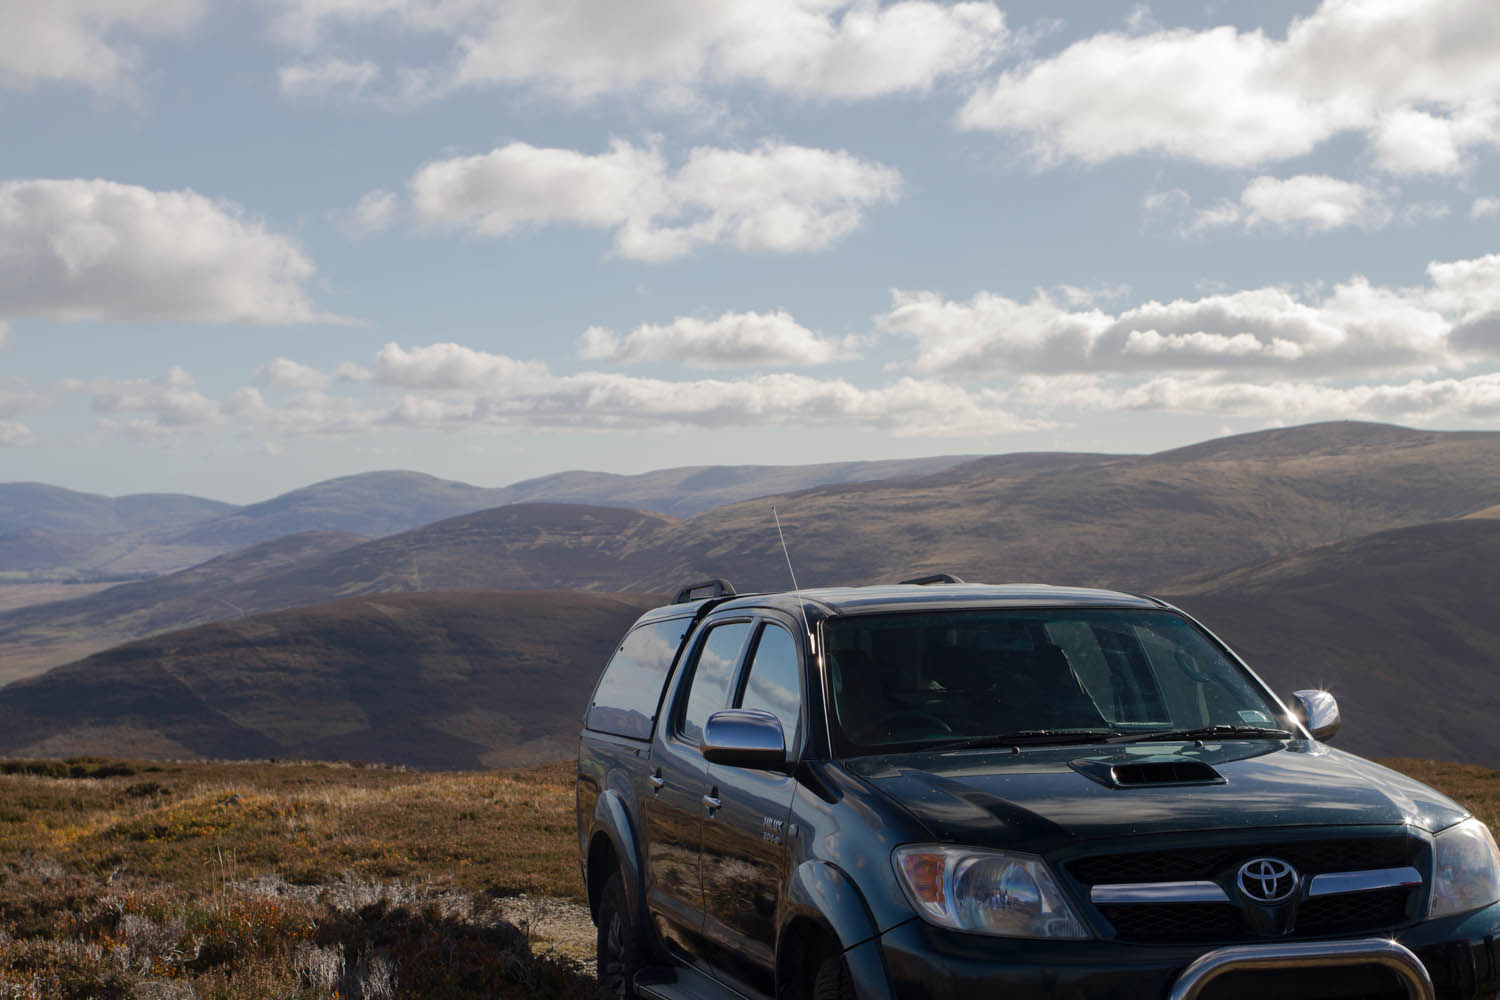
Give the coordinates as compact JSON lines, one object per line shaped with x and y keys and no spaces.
{"x":717,"y":587}
{"x":923,"y":581}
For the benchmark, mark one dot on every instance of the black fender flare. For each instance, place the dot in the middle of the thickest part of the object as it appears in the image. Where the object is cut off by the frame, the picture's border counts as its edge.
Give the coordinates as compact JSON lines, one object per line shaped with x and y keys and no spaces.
{"x":611,"y":820}
{"x":825,"y":894}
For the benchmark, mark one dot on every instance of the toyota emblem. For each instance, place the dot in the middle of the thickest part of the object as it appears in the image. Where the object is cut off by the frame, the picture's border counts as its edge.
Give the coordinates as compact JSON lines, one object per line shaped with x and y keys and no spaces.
{"x":1267,"y":880}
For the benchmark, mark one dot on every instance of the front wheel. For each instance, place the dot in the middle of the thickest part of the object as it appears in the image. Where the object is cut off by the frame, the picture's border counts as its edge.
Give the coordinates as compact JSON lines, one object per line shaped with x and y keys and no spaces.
{"x":617,"y":947}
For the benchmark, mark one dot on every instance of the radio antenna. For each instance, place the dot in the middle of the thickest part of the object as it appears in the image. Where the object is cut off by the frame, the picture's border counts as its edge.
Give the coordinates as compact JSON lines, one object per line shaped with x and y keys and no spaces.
{"x":793,"y":573}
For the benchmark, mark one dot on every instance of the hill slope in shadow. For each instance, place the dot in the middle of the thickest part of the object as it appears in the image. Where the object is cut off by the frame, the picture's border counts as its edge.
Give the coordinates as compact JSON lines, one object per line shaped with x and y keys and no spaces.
{"x":1400,"y":625}
{"x":428,"y":680}
{"x":39,"y":636}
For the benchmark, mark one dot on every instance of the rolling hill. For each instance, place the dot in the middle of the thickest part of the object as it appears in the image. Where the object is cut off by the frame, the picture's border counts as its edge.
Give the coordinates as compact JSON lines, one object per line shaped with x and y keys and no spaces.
{"x":39,"y":507}
{"x":690,"y":490}
{"x":1392,"y":622}
{"x":50,"y":533}
{"x":1400,"y":625}
{"x":1134,"y":522}
{"x":40,"y":636}
{"x":427,"y":680}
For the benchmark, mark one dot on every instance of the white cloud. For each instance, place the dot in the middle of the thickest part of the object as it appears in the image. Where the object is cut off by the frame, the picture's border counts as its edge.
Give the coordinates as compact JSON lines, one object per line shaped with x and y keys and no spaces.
{"x":453,"y":387}
{"x":167,"y":406}
{"x":83,"y":42}
{"x":1484,"y":206}
{"x":327,"y":77}
{"x":1422,"y":400}
{"x":374,"y":212}
{"x":1310,"y":201}
{"x":97,"y":250}
{"x":607,"y":401}
{"x":1417,"y":77}
{"x":734,"y":339}
{"x":452,"y":366}
{"x":4,"y":334}
{"x":1355,"y":329}
{"x":1408,"y":141}
{"x":775,"y":197}
{"x":284,"y":373}
{"x":671,"y":50}
{"x":14,"y":433}
{"x":991,"y":333}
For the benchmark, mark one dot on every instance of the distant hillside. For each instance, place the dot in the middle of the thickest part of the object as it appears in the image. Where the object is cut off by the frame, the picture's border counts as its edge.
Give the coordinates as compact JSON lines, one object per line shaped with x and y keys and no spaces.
{"x":1400,"y":625}
{"x":51,"y":533}
{"x":370,"y":504}
{"x":47,"y":529}
{"x":693,"y":489}
{"x":429,"y":680}
{"x":39,"y":507}
{"x":1133,"y":522}
{"x":521,"y":546}
{"x":1139,"y":523}
{"x":39,"y":636}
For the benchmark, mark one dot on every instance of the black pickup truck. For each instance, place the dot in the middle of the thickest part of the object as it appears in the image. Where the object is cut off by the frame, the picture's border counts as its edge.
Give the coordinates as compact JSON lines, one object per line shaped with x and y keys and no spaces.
{"x":953,"y":790}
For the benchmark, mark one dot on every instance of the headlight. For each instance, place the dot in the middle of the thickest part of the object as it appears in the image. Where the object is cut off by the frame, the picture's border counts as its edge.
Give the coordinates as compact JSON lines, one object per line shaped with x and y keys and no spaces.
{"x":1465,"y":869}
{"x":987,"y":892}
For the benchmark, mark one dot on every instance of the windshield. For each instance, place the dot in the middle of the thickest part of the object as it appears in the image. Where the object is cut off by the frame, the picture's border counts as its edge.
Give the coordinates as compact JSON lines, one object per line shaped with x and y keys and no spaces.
{"x":902,"y":681}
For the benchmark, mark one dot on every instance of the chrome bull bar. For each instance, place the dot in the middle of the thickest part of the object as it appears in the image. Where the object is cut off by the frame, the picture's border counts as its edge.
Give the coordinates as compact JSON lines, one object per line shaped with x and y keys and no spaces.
{"x":1306,"y":955}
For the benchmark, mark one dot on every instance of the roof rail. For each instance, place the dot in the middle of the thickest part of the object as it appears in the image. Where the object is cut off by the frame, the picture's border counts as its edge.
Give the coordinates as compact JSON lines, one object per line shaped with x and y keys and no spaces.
{"x":717,"y":586}
{"x":923,"y":581}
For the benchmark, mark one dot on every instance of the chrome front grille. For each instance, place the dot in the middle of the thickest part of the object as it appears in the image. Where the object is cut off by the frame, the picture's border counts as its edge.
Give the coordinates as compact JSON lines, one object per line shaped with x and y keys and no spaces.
{"x":1189,"y":894}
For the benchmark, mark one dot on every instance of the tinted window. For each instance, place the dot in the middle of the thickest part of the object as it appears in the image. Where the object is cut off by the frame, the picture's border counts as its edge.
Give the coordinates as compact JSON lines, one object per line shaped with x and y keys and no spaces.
{"x":719,"y":654}
{"x":775,"y":681}
{"x":926,"y":678}
{"x":626,"y":699}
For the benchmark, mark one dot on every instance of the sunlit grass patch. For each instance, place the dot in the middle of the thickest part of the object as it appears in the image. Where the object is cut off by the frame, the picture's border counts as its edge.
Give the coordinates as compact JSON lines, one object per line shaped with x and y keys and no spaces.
{"x":297,"y":880}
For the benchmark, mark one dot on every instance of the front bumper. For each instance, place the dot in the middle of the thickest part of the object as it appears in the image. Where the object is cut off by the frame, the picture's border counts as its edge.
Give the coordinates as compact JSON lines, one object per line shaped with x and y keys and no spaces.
{"x":1461,"y":956}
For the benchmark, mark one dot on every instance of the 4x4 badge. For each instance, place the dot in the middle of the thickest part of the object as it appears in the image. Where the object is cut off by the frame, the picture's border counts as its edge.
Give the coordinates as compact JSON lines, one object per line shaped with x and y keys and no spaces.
{"x":1267,"y":880}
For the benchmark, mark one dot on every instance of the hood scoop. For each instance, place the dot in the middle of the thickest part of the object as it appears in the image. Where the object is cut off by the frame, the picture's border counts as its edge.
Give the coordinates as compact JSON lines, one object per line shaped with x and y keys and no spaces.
{"x":1150,"y":772}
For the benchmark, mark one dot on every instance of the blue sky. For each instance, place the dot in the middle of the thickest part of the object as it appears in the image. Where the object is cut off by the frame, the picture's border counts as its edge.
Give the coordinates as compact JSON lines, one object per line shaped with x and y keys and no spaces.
{"x":247,"y":246}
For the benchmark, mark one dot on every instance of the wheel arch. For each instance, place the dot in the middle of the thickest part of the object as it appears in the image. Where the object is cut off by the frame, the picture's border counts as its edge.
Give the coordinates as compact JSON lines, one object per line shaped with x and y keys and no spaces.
{"x":612,"y":847}
{"x":825,"y":913}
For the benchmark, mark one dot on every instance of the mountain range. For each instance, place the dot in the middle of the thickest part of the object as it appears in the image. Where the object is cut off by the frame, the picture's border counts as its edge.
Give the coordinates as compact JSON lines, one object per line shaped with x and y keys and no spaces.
{"x":1345,"y":554}
{"x":48,"y":532}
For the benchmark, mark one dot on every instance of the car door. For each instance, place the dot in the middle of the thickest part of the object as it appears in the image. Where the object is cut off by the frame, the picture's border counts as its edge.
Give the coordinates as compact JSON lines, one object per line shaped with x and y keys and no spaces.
{"x":673,"y":811}
{"x":745,"y":849}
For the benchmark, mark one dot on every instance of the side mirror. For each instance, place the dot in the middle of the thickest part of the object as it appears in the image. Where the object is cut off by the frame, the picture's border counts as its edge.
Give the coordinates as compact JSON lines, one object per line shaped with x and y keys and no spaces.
{"x":744,"y":737}
{"x":1319,"y":712}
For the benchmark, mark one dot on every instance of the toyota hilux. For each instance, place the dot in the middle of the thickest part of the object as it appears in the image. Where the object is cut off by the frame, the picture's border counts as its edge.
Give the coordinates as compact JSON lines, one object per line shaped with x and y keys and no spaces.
{"x":940,"y":789}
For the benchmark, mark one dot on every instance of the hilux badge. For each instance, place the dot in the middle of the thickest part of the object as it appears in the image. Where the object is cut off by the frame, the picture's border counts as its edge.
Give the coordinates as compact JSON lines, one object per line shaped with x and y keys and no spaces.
{"x":1267,"y":880}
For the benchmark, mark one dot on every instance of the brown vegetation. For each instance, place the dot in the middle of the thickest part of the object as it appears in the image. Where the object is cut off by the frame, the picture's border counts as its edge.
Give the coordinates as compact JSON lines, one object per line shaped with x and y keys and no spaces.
{"x":121,"y":879}
{"x":162,"y":880}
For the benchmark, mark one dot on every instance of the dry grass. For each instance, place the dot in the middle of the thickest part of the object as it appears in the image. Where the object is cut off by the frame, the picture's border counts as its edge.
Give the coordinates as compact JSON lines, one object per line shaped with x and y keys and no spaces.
{"x":123,"y":879}
{"x":175,"y":881}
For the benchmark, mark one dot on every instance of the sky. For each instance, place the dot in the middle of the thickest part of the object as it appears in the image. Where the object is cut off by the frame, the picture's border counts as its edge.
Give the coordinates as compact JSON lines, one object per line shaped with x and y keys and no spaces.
{"x":246,"y":246}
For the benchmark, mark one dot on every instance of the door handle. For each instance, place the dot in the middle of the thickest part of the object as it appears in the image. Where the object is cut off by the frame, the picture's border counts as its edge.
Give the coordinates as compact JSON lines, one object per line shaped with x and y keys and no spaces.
{"x":712,"y":801}
{"x":658,"y":782}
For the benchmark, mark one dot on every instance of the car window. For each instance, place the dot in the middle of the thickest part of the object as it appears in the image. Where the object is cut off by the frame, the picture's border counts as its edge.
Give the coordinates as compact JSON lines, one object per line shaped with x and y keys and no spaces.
{"x":915,"y":678}
{"x":709,"y":690}
{"x":774,"y":683}
{"x":626,"y":700}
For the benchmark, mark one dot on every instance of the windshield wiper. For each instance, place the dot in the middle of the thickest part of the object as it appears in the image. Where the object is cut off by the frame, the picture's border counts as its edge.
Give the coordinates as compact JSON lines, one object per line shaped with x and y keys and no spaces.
{"x":1207,"y":732}
{"x":1028,"y":737}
